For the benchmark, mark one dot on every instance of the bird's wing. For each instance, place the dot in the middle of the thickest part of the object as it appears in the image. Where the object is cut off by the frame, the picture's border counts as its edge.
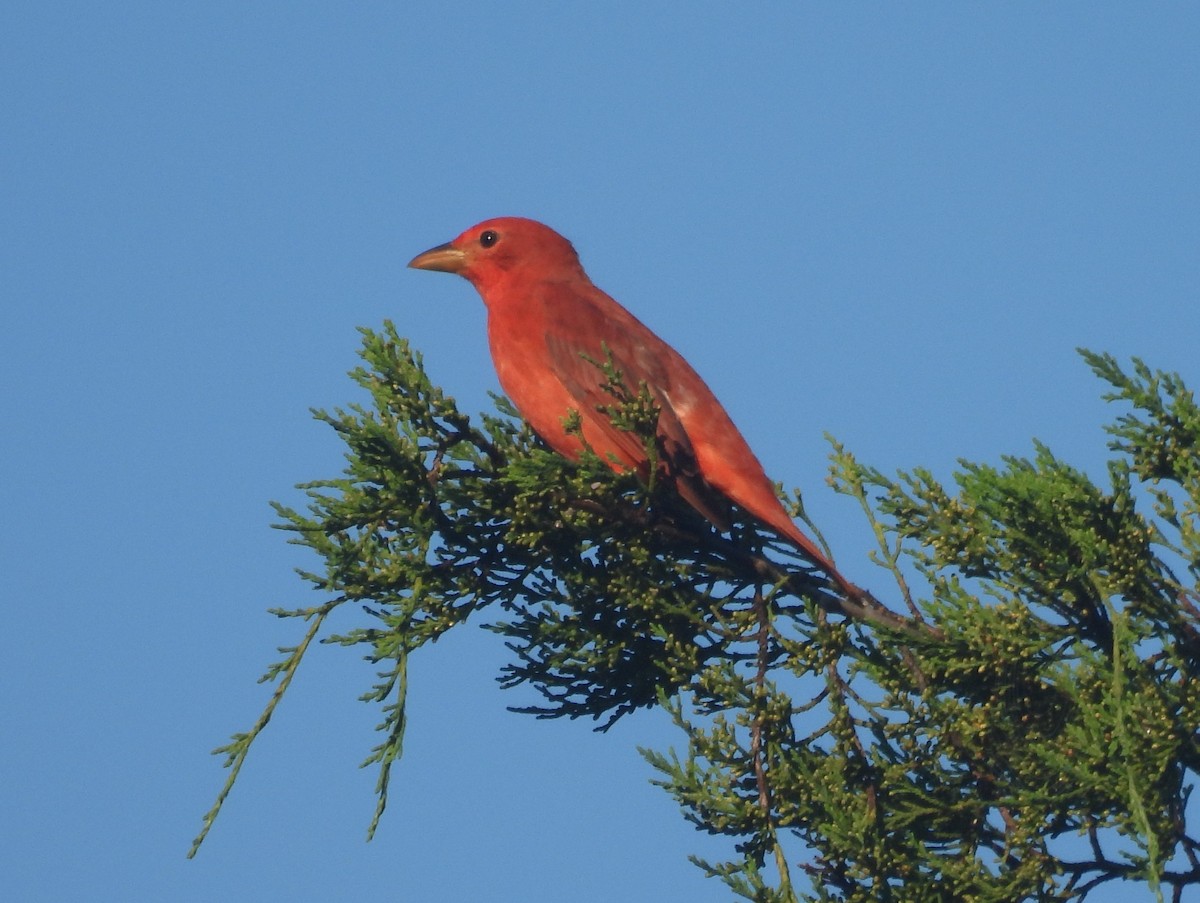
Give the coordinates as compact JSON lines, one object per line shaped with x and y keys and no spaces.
{"x":588,"y":330}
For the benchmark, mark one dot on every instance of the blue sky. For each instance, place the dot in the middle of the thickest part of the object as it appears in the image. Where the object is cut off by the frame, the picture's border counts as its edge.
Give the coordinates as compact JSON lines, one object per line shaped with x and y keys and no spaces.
{"x":892,"y":223}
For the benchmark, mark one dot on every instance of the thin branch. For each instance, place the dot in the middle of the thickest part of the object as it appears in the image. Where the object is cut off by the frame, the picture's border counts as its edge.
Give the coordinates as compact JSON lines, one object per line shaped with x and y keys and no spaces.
{"x":240,"y":748}
{"x":758,"y":753}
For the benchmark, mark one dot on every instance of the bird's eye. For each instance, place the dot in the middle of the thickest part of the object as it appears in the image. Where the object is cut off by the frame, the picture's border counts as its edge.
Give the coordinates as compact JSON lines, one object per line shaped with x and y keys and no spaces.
{"x":488,"y":238}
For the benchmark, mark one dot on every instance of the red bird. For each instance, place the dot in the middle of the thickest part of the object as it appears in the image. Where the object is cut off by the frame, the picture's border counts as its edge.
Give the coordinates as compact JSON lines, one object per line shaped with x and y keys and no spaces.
{"x":548,"y":326}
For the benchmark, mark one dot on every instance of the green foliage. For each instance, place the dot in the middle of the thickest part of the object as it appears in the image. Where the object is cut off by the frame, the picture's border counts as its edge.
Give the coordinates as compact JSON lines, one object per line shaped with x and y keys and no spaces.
{"x":1033,"y":697}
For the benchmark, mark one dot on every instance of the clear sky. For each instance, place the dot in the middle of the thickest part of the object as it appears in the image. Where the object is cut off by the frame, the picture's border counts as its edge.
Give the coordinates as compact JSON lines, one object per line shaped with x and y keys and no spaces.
{"x":891,"y":222}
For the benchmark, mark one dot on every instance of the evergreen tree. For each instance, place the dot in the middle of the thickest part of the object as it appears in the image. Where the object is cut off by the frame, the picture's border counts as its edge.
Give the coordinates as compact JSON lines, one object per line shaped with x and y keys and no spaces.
{"x":1031,"y":680}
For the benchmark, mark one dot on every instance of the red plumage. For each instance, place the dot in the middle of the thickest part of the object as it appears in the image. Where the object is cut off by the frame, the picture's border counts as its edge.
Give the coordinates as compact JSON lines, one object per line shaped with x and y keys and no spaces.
{"x":549,"y":327}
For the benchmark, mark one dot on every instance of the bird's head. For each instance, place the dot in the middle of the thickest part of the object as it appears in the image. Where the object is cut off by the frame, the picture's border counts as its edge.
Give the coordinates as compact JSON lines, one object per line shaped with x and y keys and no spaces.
{"x":507,"y":250}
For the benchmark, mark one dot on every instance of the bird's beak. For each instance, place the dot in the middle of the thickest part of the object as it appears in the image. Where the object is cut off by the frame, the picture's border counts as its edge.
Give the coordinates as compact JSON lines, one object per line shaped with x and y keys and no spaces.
{"x":444,"y":258}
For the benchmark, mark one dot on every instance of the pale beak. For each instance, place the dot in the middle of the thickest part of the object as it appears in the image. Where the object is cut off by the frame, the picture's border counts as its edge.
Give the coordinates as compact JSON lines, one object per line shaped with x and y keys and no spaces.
{"x":444,"y":258}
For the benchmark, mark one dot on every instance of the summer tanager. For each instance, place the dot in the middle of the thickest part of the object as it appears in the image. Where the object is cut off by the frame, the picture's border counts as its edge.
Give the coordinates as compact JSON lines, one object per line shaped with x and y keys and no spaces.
{"x":550,"y":329}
